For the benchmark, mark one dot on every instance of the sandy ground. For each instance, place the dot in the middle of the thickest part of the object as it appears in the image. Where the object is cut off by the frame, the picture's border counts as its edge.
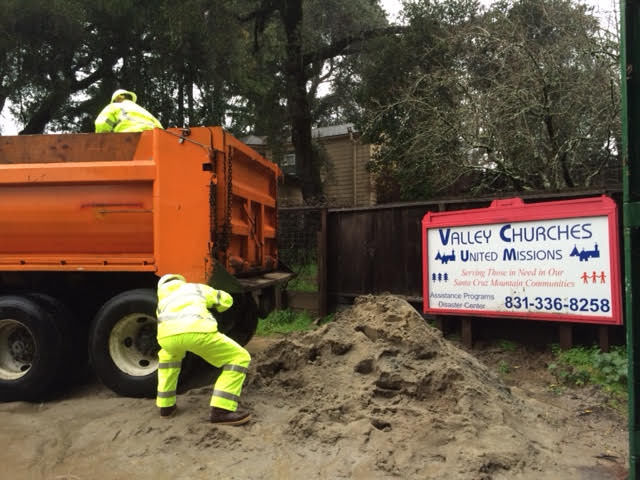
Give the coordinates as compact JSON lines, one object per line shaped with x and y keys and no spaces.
{"x":377,"y":394}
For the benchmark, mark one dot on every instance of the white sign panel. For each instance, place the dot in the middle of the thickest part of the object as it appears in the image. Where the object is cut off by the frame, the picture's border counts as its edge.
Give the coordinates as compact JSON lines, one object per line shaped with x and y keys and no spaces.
{"x":553,"y":266}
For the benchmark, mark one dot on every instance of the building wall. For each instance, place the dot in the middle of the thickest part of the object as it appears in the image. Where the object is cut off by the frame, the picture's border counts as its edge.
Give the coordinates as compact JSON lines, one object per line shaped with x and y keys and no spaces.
{"x":347,"y":182}
{"x":289,"y":194}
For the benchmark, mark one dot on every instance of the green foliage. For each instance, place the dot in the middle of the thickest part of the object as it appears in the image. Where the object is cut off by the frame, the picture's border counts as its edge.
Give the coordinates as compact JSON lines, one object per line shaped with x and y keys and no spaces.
{"x":463,"y":99}
{"x":415,"y":118}
{"x":326,"y":319}
{"x":287,"y":321}
{"x":253,"y":66}
{"x":503,"y":367}
{"x":61,"y":60}
{"x":580,"y":366}
{"x":493,"y":100}
{"x":507,"y":345}
{"x":306,"y":279}
{"x":284,"y":321}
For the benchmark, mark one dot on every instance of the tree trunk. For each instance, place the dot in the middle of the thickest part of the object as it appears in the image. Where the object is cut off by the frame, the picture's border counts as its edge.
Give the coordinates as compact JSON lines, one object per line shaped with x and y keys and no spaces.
{"x":46,"y":110}
{"x":181,"y":101}
{"x":298,"y":103}
{"x":190,"y":104}
{"x":3,"y":100}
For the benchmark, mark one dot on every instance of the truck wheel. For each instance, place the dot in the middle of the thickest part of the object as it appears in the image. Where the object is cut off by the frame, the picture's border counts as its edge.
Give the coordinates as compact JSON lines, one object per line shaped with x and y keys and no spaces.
{"x":31,"y":350}
{"x":241,"y":320}
{"x":122,"y":343}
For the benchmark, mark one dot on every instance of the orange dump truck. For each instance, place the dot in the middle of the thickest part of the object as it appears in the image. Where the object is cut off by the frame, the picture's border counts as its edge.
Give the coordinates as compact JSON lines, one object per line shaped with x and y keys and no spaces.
{"x":89,"y":222}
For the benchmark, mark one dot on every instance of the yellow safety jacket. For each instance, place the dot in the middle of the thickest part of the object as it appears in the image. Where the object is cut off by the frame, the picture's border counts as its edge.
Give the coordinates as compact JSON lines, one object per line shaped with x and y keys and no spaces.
{"x":184,"y":308}
{"x":125,"y":116}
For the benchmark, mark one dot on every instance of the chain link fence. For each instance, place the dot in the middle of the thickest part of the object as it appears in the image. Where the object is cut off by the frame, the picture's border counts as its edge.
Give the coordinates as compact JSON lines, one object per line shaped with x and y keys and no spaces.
{"x":298,"y":229}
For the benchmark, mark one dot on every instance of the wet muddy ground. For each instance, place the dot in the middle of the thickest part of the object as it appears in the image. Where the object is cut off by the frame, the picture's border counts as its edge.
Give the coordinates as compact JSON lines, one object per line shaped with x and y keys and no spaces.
{"x":376,"y":394}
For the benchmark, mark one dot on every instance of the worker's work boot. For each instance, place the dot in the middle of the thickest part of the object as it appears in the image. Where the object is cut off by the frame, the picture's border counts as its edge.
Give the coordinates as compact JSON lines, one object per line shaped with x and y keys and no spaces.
{"x":220,"y":416}
{"x":167,"y":412}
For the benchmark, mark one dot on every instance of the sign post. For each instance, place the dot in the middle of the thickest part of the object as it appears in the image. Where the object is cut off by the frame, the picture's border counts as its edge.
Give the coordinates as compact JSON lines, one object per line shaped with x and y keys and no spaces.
{"x":630,"y":160}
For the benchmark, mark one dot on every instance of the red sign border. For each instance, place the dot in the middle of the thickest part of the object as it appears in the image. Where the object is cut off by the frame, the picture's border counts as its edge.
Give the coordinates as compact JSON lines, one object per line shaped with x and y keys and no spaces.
{"x":515,"y":210}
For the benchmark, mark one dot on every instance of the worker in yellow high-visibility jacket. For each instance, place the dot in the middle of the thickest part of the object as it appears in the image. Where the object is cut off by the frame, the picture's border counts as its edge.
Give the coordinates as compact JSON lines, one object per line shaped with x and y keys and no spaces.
{"x":123,"y":114}
{"x":185,"y":324}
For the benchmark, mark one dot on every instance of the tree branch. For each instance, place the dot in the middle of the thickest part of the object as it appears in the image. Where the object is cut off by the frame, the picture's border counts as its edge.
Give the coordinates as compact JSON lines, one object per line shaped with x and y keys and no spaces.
{"x":339,"y":46}
{"x":260,"y":16}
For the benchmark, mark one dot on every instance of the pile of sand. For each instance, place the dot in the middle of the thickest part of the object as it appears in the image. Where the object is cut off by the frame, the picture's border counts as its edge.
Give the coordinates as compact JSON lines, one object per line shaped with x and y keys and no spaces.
{"x":379,"y":381}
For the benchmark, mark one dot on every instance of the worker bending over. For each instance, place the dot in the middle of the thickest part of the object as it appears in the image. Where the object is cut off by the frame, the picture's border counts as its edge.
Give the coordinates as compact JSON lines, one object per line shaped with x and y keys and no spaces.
{"x":123,"y":114}
{"x":185,"y":324}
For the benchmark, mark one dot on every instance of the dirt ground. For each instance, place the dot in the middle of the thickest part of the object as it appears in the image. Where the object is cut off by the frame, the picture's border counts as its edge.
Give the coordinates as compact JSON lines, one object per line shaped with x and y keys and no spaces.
{"x":377,"y":394}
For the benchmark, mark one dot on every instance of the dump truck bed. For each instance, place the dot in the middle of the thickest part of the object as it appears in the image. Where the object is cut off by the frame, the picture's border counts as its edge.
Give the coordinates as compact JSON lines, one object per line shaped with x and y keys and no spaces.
{"x":159,"y":201}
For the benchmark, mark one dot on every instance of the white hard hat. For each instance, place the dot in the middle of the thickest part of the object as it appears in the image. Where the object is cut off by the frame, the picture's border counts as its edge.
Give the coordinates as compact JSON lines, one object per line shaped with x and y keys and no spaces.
{"x":120,"y":91}
{"x":170,"y":277}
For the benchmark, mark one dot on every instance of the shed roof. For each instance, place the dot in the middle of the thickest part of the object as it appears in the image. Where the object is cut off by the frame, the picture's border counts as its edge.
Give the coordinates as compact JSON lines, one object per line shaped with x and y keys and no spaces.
{"x":317,"y":132}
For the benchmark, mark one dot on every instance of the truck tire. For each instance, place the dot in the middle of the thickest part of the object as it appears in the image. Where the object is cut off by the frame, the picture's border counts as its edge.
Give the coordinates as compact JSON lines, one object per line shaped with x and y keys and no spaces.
{"x":241,"y":320}
{"x":122,"y":343}
{"x":31,"y":350}
{"x":75,"y":358}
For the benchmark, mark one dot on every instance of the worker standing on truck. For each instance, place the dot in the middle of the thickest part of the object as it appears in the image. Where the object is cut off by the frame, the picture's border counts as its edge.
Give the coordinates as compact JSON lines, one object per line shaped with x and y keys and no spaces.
{"x":185,"y":324}
{"x":123,"y":114}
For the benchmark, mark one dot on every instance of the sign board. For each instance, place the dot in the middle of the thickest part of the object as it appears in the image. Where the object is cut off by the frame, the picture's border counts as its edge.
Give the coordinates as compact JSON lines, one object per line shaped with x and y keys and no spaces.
{"x":542,"y":261}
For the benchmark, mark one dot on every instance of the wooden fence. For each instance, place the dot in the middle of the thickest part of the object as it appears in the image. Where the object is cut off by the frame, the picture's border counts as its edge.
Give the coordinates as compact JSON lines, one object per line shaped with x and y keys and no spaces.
{"x":377,"y":249}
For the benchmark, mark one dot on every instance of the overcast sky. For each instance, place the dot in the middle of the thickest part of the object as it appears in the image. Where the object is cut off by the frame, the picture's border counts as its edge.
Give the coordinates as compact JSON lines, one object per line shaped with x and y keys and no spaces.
{"x":604,"y":8}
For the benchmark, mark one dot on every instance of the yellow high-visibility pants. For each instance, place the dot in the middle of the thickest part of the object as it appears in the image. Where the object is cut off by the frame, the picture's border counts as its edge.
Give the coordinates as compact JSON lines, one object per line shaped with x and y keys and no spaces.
{"x":214,"y":347}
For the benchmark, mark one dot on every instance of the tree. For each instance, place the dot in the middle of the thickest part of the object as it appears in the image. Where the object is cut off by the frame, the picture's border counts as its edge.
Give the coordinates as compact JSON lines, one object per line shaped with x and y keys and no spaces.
{"x":62,"y":60}
{"x":252,"y":66}
{"x":409,"y":93}
{"x":59,"y":50}
{"x":494,"y":101}
{"x":548,"y":90}
{"x":48,"y":58}
{"x":310,"y":39}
